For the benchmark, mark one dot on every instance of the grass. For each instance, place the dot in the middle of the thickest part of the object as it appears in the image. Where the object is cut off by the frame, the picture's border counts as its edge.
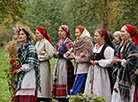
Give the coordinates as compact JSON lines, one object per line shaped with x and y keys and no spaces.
{"x":5,"y":95}
{"x":4,"y":88}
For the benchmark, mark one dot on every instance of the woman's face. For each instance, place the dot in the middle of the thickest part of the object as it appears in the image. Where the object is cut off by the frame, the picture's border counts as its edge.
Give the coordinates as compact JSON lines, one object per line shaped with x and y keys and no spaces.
{"x":22,"y":36}
{"x":77,"y":33}
{"x":116,"y":38}
{"x":98,"y":39}
{"x":124,"y":34}
{"x":39,"y":36}
{"x":61,"y":33}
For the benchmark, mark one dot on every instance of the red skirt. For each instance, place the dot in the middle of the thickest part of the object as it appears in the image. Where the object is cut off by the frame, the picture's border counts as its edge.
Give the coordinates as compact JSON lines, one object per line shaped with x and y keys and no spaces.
{"x":136,"y":95}
{"x":25,"y":98}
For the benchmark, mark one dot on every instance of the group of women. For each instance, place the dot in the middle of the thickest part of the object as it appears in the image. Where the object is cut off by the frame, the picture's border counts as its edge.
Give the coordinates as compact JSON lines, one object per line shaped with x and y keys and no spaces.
{"x":104,"y":68}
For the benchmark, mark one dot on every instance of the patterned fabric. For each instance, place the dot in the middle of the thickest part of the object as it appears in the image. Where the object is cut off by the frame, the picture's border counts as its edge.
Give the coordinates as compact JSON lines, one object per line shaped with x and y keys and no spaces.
{"x":64,"y":45}
{"x":128,"y":74}
{"x":107,"y":37}
{"x":83,"y":45}
{"x":24,"y":98}
{"x":28,"y":55}
{"x":63,"y":72}
{"x":70,"y":75}
{"x":67,"y":30}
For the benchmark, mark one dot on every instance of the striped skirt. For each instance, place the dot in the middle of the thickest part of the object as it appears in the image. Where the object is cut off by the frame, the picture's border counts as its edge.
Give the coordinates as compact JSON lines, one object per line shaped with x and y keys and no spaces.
{"x":25,"y":98}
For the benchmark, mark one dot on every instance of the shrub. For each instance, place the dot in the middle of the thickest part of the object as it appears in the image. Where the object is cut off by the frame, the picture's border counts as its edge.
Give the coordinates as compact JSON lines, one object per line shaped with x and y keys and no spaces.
{"x":86,"y":98}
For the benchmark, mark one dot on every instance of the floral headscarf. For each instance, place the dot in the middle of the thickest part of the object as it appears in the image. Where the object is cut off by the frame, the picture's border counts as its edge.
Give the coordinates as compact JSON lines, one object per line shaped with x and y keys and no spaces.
{"x":44,"y":32}
{"x":67,"y":30}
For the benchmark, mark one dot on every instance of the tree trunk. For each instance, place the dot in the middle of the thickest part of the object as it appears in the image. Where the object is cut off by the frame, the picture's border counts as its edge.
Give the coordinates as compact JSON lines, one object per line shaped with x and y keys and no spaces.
{"x":105,"y":18}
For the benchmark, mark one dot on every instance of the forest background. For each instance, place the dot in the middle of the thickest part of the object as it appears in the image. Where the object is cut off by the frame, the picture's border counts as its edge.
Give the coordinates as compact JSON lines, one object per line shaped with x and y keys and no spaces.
{"x":93,"y":14}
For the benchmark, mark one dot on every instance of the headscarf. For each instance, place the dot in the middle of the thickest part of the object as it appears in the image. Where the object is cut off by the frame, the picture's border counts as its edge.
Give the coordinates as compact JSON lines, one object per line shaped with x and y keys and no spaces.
{"x":44,"y":32}
{"x":107,"y":37}
{"x":67,"y":30}
{"x":83,"y":31}
{"x":133,"y":32}
{"x":118,"y":33}
{"x":81,"y":28}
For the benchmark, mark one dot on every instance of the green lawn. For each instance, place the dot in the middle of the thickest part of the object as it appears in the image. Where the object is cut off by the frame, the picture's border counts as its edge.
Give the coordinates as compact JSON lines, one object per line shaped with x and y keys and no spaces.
{"x":4,"y":69}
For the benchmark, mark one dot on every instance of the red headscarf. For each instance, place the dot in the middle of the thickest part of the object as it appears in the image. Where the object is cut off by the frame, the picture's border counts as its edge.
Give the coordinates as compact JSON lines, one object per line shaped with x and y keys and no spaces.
{"x":67,"y":30}
{"x":44,"y":33}
{"x":107,"y":37}
{"x":81,"y":28}
{"x":133,"y":32}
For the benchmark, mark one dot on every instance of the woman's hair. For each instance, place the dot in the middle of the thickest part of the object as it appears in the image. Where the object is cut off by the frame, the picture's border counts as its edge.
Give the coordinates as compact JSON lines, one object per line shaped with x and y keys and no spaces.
{"x":100,"y":32}
{"x":106,"y":35}
{"x":27,"y":31}
{"x":118,"y":33}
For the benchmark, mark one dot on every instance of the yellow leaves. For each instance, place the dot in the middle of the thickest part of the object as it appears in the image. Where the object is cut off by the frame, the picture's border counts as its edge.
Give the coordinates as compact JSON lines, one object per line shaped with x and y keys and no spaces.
{"x":11,"y":48}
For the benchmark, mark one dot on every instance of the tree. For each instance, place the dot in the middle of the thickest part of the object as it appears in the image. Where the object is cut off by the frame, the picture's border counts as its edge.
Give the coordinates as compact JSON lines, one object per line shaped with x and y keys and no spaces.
{"x":44,"y":13}
{"x":84,"y":12}
{"x":121,"y":12}
{"x":11,"y":11}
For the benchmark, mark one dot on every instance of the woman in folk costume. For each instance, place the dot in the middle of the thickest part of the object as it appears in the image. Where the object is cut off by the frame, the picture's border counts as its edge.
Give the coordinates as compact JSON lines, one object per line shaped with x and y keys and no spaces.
{"x":99,"y":80}
{"x":81,"y":54}
{"x":116,"y":39}
{"x":29,"y":75}
{"x":63,"y":73}
{"x":125,"y":89}
{"x":45,"y":52}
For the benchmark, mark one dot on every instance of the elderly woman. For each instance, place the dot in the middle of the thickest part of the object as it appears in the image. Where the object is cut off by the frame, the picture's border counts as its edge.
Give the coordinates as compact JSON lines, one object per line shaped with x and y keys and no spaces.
{"x":125,"y":89}
{"x":81,"y":54}
{"x":63,"y":73}
{"x":45,"y":52}
{"x":116,"y":39}
{"x":29,"y":76}
{"x":100,"y":73}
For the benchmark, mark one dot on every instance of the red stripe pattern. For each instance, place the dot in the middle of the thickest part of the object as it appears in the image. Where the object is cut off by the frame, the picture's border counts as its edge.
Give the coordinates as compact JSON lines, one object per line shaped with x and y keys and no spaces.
{"x":59,"y":90}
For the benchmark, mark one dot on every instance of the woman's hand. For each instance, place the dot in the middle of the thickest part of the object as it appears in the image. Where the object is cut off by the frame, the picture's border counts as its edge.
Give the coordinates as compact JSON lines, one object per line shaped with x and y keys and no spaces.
{"x":72,"y":57}
{"x":17,"y":71}
{"x":82,"y":54}
{"x":94,"y":62}
{"x":43,"y":52}
{"x":56,"y":54}
{"x":67,"y":53}
{"x":116,"y":60}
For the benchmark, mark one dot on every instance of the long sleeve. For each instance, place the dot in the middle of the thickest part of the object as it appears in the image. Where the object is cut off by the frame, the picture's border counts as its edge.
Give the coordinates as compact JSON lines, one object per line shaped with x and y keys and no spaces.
{"x":109,"y":55}
{"x":80,"y":59}
{"x":26,"y":67}
{"x":49,"y":52}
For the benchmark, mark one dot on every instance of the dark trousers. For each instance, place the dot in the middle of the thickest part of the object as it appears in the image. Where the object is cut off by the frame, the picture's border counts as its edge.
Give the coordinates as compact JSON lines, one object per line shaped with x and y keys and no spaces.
{"x":44,"y":99}
{"x":62,"y":99}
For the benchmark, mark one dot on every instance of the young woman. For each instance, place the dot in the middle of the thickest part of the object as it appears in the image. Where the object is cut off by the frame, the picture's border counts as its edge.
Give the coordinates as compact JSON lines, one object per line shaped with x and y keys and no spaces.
{"x":125,"y":89}
{"x":81,"y":54}
{"x":99,"y":82}
{"x":63,"y":73}
{"x":45,"y":52}
{"x":29,"y":76}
